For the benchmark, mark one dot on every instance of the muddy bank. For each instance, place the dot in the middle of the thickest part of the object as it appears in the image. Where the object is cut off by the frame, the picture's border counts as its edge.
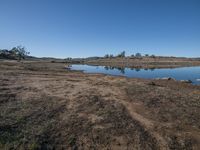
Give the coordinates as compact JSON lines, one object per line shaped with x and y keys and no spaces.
{"x":45,"y":106}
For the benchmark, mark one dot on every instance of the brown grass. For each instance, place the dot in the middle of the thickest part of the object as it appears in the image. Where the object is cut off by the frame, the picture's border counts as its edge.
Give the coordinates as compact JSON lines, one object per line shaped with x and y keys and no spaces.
{"x":44,"y":106}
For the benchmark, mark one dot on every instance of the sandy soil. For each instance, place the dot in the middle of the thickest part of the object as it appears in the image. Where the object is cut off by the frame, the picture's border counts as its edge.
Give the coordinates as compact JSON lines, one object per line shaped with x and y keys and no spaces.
{"x":44,"y":106}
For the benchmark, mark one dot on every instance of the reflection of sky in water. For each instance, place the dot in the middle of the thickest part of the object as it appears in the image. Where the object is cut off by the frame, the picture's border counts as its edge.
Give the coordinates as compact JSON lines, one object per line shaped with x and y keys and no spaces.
{"x":185,"y":73}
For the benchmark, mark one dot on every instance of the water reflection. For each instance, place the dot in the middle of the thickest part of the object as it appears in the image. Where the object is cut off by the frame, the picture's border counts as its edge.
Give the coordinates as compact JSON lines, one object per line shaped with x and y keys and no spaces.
{"x":123,"y":69}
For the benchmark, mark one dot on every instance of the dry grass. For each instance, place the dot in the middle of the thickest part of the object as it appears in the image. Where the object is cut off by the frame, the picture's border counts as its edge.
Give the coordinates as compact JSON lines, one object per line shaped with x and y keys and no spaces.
{"x":44,"y":106}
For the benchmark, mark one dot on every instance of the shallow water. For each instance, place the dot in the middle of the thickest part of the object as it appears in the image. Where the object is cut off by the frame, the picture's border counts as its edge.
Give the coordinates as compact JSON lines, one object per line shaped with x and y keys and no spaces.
{"x":184,"y":73}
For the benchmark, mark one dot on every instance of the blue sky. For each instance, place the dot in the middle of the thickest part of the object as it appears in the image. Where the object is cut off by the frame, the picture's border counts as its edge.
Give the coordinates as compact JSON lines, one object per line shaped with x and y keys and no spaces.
{"x":81,"y":28}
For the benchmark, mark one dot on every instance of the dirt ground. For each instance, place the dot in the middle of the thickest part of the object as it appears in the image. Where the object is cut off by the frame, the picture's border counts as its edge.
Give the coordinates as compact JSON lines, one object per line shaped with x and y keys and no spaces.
{"x":45,"y":106}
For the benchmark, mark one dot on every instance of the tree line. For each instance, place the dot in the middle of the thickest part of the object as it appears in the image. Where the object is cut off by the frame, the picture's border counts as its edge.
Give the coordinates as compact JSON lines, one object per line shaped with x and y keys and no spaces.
{"x":123,"y":55}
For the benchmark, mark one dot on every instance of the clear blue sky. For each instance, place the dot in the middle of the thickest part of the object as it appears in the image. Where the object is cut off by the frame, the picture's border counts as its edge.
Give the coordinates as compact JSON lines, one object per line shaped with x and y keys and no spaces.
{"x":81,"y":28}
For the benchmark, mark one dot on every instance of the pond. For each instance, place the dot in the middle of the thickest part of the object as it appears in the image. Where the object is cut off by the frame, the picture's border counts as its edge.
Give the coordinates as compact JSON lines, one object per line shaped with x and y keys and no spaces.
{"x":184,"y":73}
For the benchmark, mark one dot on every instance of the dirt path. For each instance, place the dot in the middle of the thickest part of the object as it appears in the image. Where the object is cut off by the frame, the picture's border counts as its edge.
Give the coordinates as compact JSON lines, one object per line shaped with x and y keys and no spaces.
{"x":145,"y":123}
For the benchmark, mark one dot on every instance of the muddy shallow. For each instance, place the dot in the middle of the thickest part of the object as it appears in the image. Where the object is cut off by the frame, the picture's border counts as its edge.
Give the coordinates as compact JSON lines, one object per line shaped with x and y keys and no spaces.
{"x":45,"y":106}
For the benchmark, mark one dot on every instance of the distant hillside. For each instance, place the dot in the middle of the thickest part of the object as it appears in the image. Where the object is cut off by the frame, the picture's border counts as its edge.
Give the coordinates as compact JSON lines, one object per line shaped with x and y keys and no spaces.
{"x":145,"y":62}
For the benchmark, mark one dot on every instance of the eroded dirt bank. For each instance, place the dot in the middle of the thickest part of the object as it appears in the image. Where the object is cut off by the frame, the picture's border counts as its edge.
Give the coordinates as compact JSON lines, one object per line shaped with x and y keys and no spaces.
{"x":44,"y":106}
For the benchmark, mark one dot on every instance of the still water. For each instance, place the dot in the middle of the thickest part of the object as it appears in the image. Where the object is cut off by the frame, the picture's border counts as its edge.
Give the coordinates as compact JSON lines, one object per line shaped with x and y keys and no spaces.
{"x":184,"y":73}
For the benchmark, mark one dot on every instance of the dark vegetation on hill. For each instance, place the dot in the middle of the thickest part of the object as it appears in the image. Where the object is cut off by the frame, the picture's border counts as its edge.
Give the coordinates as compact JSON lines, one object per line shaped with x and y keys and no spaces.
{"x":142,"y":61}
{"x":136,"y":60}
{"x":16,"y":53}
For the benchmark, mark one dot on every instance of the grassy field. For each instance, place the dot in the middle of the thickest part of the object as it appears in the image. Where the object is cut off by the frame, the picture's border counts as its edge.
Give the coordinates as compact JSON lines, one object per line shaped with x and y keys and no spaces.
{"x":45,"y":106}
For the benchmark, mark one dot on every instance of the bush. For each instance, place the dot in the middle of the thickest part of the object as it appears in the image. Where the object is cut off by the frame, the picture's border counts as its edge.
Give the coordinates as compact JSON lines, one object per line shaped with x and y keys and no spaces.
{"x":153,"y":56}
{"x":138,"y":55}
{"x":132,"y":55}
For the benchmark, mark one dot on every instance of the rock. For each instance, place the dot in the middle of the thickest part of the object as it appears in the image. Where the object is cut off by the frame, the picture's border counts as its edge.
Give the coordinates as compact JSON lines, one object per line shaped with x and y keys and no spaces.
{"x":157,"y":78}
{"x":167,"y":78}
{"x":152,"y":83}
{"x":68,"y":67}
{"x":186,"y":81}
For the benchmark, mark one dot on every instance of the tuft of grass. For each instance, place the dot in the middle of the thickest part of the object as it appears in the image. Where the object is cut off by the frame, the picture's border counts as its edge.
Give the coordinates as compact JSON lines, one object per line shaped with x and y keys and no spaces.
{"x":34,"y":146}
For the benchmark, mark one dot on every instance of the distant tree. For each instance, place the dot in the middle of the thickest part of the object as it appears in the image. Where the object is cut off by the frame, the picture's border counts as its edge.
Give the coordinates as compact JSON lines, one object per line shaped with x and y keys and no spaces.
{"x":132,"y":55}
{"x":20,"y":51}
{"x":106,"y":56}
{"x":147,"y":55}
{"x":13,"y":51}
{"x":122,"y":54}
{"x":153,"y":56}
{"x":4,"y":53}
{"x":138,"y":55}
{"x":111,"y":56}
{"x":69,"y":58}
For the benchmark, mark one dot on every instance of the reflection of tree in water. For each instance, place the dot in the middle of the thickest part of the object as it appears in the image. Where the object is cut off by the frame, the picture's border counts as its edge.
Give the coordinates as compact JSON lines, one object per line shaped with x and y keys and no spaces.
{"x":112,"y":68}
{"x":121,"y":69}
{"x":137,"y":69}
{"x":109,"y":68}
{"x":106,"y":67}
{"x":152,"y":69}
